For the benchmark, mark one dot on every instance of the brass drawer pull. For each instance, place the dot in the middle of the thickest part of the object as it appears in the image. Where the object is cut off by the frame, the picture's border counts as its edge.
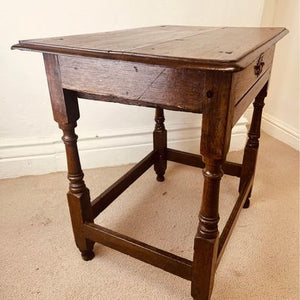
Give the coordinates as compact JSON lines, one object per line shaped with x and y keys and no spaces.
{"x":259,"y":66}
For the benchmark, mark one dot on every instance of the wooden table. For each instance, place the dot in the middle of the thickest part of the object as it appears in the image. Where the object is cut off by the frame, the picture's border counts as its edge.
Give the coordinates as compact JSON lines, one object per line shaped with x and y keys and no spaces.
{"x":213,"y":71}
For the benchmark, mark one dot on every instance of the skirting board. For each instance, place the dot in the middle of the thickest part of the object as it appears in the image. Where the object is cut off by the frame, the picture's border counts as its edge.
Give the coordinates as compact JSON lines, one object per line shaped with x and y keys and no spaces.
{"x":278,"y":129}
{"x":111,"y":148}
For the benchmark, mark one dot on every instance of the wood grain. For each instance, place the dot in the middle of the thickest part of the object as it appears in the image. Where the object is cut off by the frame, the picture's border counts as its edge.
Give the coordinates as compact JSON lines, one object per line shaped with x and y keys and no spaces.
{"x":141,"y":84}
{"x":252,"y":145}
{"x":117,"y":188}
{"x":220,"y":48}
{"x":248,"y":98}
{"x":217,"y":115}
{"x":242,"y":81}
{"x":195,"y":160}
{"x":149,"y":254}
{"x":123,"y":40}
{"x":214,"y":71}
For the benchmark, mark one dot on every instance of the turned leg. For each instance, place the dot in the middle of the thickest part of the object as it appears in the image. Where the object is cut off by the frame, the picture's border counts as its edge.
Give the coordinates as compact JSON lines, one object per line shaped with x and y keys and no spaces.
{"x":78,"y":195}
{"x":251,"y":148}
{"x":160,"y":144}
{"x":215,"y":141}
{"x":207,"y":237}
{"x":66,"y":113}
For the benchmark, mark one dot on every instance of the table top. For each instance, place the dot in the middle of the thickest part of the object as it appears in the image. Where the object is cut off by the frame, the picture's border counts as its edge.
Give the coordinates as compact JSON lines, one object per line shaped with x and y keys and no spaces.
{"x":231,"y":48}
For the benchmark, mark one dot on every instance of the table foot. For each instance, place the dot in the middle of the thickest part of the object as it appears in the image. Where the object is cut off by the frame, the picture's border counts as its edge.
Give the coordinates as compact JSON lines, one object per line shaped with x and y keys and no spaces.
{"x":87,"y":255}
{"x":78,"y":194}
{"x":160,"y":178}
{"x":207,"y":237}
{"x":247,"y":203}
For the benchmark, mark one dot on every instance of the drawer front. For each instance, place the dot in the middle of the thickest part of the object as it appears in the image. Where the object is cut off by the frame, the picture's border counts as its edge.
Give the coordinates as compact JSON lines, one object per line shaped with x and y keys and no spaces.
{"x":242,"y":81}
{"x":242,"y":105}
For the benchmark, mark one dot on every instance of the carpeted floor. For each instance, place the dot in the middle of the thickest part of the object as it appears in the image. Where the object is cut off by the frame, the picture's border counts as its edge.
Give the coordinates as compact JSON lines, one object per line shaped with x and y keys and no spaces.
{"x":39,"y":259}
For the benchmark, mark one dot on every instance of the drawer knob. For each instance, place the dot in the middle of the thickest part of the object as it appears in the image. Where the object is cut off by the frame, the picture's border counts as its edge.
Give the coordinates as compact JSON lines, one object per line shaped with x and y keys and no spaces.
{"x":259,"y":65}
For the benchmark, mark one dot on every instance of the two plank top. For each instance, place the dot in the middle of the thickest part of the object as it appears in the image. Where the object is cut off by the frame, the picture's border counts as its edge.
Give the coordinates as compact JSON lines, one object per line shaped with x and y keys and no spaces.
{"x":217,"y":48}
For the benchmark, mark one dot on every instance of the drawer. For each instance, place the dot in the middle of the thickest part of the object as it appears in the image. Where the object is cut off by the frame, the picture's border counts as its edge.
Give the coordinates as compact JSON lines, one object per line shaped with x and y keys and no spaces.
{"x":242,"y":81}
{"x":242,"y":105}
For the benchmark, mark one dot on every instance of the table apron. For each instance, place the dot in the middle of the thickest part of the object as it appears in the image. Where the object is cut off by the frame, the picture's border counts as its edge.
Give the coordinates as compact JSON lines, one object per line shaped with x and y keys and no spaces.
{"x":133,"y":83}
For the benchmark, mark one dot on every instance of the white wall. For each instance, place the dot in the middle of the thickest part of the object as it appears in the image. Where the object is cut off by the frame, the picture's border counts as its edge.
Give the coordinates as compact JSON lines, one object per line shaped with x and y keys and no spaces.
{"x":281,"y":117}
{"x":29,"y":138}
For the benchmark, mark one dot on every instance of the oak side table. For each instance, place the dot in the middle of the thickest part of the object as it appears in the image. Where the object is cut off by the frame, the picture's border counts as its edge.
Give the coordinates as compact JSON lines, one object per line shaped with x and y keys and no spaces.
{"x":215,"y":71}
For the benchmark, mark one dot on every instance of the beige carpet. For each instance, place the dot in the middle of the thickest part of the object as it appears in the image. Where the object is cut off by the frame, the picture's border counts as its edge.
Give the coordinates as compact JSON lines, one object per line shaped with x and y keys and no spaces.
{"x":39,"y":259}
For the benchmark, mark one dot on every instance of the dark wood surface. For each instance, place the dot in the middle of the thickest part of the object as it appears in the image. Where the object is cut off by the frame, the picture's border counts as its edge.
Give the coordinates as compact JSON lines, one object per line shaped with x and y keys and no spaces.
{"x":247,"y":99}
{"x":214,"y":71}
{"x":160,"y":144}
{"x":252,"y":145}
{"x":229,"y":226}
{"x":231,"y":48}
{"x":245,"y":79}
{"x":117,"y":188}
{"x":144,"y":252}
{"x":158,"y":86}
{"x":133,"y":83}
{"x":195,"y":160}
